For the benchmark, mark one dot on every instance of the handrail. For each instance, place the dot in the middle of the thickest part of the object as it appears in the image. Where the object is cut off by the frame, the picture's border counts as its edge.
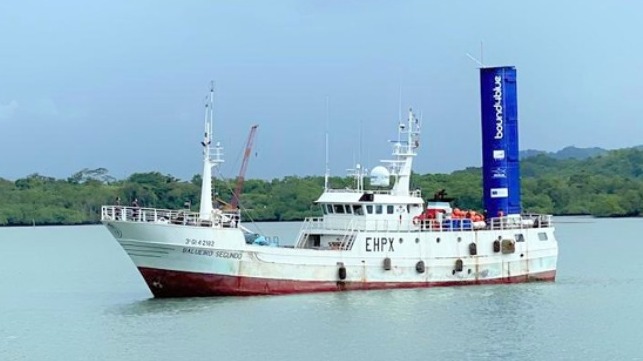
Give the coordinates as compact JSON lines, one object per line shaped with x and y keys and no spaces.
{"x":414,"y":193}
{"x":526,"y":221}
{"x":177,"y":217}
{"x":349,"y":237}
{"x":352,"y":190}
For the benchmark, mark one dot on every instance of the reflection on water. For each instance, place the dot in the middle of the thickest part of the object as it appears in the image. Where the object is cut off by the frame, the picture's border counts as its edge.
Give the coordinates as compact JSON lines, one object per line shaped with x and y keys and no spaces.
{"x":170,"y":306}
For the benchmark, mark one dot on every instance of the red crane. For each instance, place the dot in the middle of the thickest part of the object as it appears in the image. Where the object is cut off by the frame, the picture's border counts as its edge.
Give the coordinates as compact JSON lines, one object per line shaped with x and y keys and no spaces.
{"x":234,"y":204}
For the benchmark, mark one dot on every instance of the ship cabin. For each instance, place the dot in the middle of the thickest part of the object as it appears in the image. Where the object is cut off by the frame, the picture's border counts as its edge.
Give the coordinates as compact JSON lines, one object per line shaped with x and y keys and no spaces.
{"x":370,"y":210}
{"x":348,"y":211}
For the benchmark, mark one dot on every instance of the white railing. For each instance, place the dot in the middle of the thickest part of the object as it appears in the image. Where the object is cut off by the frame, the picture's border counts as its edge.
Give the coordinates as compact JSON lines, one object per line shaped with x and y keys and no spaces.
{"x":414,"y":193}
{"x":169,"y":216}
{"x":353,"y":224}
{"x":497,"y":223}
{"x":356,"y":223}
{"x":352,"y":190}
{"x":349,"y":237}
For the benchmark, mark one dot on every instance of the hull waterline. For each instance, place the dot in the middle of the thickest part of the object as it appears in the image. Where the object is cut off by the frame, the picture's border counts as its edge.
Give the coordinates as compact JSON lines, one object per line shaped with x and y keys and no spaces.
{"x":168,"y":284}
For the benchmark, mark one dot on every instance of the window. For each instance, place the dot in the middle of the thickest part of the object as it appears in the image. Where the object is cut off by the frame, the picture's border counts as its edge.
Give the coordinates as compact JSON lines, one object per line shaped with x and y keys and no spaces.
{"x":349,"y":210}
{"x":520,"y":237}
{"x":369,"y":209}
{"x":378,"y":209}
{"x":339,"y":208}
{"x":542,"y":236}
{"x":390,"y":209}
{"x":328,"y":208}
{"x":357,"y":209}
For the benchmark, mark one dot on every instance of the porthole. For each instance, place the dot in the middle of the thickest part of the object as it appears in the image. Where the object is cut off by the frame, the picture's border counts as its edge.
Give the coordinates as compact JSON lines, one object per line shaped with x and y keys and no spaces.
{"x":437,"y":240}
{"x":417,"y":240}
{"x":459,"y":239}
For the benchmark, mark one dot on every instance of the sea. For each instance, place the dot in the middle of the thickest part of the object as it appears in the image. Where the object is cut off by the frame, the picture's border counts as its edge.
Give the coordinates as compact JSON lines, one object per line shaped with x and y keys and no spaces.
{"x":71,"y":293}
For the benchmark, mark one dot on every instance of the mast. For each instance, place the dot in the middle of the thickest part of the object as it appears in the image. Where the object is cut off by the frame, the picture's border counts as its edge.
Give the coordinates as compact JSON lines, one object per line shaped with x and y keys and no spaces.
{"x":404,"y":152}
{"x":205,"y":210}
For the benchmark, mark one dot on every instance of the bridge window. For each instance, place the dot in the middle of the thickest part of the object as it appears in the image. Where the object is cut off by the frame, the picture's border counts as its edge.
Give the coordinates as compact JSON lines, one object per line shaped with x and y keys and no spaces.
{"x":349,"y":210}
{"x":390,"y":209}
{"x":378,"y":209}
{"x":369,"y":209}
{"x":358,"y":210}
{"x":338,"y":208}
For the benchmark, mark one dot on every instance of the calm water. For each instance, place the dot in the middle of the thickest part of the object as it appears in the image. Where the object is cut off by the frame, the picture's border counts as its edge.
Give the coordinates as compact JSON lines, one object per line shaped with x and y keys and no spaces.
{"x":70,"y":293}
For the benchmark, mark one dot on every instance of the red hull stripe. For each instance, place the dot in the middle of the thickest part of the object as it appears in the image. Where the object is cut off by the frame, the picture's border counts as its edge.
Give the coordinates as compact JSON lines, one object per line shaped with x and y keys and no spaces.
{"x":164,"y":283}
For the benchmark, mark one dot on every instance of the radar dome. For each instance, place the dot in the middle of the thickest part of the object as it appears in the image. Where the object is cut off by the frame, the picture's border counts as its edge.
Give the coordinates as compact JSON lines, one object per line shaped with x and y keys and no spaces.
{"x":380,"y":177}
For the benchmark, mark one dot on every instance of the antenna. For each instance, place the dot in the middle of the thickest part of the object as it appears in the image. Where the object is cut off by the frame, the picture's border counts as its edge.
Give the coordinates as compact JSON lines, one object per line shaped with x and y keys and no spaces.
{"x":211,"y":111}
{"x":399,"y":117}
{"x":206,"y":134}
{"x":399,"y":103}
{"x":327,"y":172}
{"x":359,"y":151}
{"x":481,"y":57}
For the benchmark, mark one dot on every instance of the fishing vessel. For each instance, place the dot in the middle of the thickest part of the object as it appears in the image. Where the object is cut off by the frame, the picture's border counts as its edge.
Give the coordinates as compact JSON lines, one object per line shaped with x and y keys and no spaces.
{"x":380,"y":238}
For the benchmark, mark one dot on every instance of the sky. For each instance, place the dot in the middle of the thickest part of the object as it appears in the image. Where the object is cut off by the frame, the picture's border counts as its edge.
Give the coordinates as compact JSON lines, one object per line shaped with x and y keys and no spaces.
{"x":121,"y":84}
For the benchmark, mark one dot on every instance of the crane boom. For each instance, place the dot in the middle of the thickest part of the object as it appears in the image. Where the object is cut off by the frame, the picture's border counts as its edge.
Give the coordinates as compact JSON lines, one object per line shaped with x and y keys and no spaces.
{"x":244,"y":166}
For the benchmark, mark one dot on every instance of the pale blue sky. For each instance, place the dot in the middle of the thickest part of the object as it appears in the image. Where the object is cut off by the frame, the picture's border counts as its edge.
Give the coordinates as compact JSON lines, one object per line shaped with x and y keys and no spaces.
{"x":120,"y":84}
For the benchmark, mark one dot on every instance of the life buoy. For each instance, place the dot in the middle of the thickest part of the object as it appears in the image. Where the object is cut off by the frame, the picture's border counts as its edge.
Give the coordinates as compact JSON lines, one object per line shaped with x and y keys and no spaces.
{"x":416,"y":220}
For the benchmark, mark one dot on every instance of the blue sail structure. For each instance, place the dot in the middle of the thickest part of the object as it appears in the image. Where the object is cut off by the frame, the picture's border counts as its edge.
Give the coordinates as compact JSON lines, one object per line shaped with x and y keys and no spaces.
{"x":500,"y":157}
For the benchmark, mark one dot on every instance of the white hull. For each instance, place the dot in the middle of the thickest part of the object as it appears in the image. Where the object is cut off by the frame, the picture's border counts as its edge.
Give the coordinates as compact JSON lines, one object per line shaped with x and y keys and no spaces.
{"x":221,"y":254}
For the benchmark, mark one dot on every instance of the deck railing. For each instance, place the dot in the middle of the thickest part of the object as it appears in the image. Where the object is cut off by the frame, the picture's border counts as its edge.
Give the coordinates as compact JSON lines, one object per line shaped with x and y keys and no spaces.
{"x":169,"y":216}
{"x":414,"y":193}
{"x":314,"y":224}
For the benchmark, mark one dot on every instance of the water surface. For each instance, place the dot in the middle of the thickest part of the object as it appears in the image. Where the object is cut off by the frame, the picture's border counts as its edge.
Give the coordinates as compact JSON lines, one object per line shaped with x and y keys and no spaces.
{"x":71,"y":293}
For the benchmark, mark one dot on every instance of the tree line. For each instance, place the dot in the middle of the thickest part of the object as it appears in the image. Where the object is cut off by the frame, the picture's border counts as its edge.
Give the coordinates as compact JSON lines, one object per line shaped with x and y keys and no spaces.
{"x":609,"y":185}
